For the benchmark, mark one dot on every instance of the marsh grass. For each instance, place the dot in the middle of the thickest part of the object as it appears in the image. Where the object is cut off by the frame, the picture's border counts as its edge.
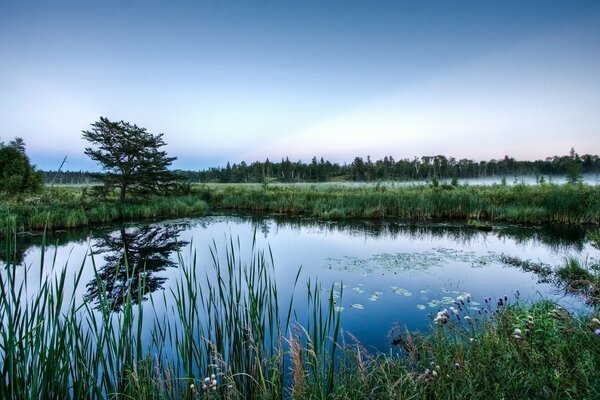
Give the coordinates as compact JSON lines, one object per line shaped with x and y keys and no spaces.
{"x":225,"y":322}
{"x":229,"y":321}
{"x":61,"y":208}
{"x":547,"y":203}
{"x":575,"y":277}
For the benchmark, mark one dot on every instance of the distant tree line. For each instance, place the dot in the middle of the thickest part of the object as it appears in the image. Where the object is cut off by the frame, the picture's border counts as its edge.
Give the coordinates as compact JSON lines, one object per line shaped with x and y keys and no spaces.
{"x":388,"y":168}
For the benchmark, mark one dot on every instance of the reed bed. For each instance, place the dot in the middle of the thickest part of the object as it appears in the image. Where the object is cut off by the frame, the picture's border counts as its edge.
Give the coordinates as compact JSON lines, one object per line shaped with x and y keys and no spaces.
{"x":63,"y":208}
{"x":224,"y":332}
{"x":526,"y":204}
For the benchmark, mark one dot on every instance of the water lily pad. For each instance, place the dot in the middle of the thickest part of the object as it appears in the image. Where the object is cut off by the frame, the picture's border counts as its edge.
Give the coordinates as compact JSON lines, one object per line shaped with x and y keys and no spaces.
{"x":357,"y":306}
{"x":339,"y":308}
{"x":434,"y":303}
{"x":421,"y":306}
{"x":403,"y":292}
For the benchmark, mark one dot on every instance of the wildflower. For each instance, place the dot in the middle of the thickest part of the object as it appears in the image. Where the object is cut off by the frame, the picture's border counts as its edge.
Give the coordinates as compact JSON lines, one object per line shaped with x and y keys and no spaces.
{"x":468,"y":298}
{"x":457,"y":365}
{"x":210,"y":383}
{"x":471,"y":340}
{"x":460,"y":299}
{"x":192,"y":387}
{"x":595,"y":321}
{"x":441,"y":318}
{"x":434,"y":374}
{"x":597,"y":332}
{"x":518,"y":334}
{"x":468,"y":319}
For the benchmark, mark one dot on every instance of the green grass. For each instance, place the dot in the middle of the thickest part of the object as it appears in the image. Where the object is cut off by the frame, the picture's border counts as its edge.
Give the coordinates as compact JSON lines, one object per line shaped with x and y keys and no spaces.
{"x":575,"y":277}
{"x":62,"y":208}
{"x":572,"y":204}
{"x":228,"y":320}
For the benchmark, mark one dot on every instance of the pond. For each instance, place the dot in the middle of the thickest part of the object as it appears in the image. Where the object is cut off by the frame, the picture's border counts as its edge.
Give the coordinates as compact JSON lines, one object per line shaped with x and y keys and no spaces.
{"x":381,"y":274}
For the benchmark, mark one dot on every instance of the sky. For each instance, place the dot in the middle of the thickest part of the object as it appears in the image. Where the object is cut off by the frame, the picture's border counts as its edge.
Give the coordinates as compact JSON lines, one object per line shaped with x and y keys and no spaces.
{"x":249,"y":80}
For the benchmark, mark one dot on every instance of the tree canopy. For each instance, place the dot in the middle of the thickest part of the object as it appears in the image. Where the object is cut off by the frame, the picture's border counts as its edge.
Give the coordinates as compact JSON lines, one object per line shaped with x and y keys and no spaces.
{"x":17,"y":175}
{"x":131,"y":157}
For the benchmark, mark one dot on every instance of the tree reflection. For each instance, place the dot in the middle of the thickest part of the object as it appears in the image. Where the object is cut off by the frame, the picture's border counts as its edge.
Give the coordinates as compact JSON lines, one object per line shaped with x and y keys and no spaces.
{"x":134,"y":256}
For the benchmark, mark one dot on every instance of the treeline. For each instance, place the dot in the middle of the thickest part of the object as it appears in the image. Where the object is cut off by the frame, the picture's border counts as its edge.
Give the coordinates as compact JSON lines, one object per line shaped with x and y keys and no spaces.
{"x":386,"y":169}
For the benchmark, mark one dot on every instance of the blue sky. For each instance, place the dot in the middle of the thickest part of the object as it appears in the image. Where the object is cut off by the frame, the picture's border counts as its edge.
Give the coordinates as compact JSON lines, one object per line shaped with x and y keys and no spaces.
{"x":246,"y":80}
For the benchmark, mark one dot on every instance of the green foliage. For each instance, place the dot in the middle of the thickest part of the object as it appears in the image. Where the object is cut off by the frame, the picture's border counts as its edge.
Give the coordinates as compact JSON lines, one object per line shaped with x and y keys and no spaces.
{"x":573,"y":168}
{"x":131,"y":158}
{"x":17,"y":175}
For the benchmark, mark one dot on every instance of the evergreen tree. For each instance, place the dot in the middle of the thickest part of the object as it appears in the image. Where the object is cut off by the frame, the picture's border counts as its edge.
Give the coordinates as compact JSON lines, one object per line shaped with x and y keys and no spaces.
{"x":17,"y":175}
{"x":131,"y":158}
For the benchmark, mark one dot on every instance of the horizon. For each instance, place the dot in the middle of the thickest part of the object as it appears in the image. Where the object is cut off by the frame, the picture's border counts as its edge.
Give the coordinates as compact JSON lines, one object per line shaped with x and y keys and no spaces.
{"x":227,"y":82}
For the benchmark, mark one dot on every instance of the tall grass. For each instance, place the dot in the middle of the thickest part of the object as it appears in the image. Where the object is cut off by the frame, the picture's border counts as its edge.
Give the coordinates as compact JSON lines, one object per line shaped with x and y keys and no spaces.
{"x":547,"y":203}
{"x":70,"y":208}
{"x":230,"y":321}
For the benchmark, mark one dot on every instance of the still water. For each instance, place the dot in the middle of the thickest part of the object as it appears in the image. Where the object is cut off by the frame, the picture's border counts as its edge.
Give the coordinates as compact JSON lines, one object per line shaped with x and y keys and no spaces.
{"x":381,"y":273}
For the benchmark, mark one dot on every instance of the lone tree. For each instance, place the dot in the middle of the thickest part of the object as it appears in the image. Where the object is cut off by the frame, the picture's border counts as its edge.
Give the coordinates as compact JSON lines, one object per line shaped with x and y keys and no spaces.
{"x":131,"y":158}
{"x":16,"y":172}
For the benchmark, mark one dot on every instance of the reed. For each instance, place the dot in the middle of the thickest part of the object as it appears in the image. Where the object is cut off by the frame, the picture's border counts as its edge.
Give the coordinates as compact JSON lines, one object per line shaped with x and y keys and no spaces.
{"x":546,"y":203}
{"x":70,"y":208}
{"x":223,"y":332}
{"x":226,"y":325}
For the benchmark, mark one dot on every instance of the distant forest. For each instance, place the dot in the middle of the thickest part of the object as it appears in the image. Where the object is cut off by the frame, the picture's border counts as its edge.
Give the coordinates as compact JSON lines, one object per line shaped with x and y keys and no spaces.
{"x":386,"y":169}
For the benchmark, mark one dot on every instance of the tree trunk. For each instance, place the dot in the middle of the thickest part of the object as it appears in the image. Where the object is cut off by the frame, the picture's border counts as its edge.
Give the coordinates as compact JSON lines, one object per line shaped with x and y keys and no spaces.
{"x":122,"y":196}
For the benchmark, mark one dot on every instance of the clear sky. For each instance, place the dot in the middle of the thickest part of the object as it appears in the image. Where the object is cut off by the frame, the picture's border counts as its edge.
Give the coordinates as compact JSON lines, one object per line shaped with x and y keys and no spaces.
{"x":246,"y":80}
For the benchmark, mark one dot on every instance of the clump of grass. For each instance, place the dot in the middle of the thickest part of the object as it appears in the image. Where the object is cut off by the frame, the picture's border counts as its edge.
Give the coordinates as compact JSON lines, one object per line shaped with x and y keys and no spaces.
{"x":594,"y":238}
{"x":580,"y":278}
{"x":537,"y":351}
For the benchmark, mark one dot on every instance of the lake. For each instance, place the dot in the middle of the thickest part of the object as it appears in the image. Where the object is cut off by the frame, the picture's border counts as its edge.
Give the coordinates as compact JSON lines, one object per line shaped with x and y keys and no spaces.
{"x":381,"y":274}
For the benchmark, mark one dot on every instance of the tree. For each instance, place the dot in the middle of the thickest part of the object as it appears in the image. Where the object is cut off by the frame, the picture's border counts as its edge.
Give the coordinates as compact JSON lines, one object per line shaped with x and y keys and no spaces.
{"x":131,"y":158}
{"x":573,"y":168}
{"x":17,"y":175}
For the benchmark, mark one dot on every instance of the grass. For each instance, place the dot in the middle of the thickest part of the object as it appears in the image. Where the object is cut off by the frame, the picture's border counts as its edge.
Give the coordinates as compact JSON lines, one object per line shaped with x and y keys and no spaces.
{"x":576,"y":277}
{"x":61,"y":208}
{"x":547,"y":203}
{"x":228,"y":320}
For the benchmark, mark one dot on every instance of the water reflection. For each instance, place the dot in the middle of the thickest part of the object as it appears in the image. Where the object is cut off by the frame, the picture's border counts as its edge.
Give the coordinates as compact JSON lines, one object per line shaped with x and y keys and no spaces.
{"x":133,"y":256}
{"x":556,"y":237}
